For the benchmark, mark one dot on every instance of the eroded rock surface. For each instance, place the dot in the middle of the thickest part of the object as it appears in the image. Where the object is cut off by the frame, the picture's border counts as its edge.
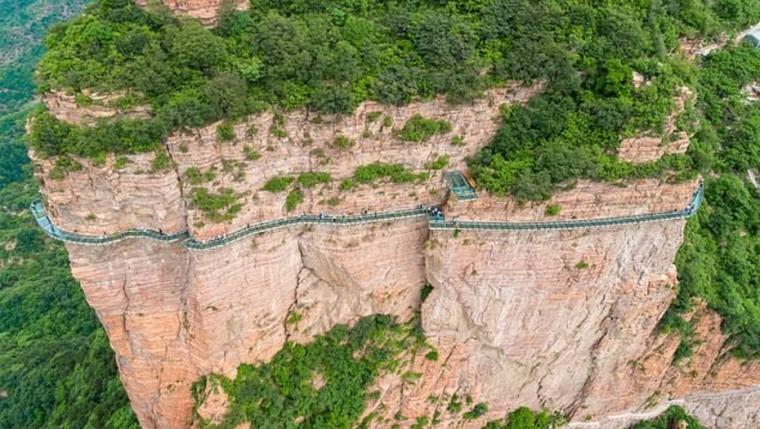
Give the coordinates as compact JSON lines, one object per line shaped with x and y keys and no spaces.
{"x":515,"y":318}
{"x":206,"y":11}
{"x":561,"y":319}
{"x":99,"y":106}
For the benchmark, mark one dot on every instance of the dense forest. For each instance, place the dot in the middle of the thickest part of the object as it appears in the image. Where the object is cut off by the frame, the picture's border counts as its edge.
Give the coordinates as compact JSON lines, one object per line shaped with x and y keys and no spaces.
{"x":56,"y":368}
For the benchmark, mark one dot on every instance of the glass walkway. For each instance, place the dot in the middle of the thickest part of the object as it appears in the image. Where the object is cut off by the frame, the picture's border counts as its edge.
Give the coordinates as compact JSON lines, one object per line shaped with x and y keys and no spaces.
{"x":460,"y":186}
{"x":436,"y":221}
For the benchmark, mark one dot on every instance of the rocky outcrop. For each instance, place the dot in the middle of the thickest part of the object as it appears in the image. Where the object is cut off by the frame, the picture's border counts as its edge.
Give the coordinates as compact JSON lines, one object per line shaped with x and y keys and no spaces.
{"x":105,"y":197}
{"x":94,"y":107}
{"x":112,"y":196}
{"x":206,"y":11}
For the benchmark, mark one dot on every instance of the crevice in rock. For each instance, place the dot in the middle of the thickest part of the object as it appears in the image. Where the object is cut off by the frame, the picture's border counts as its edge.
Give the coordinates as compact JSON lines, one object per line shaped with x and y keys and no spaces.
{"x":593,"y":366}
{"x":299,"y":277}
{"x":180,"y":183}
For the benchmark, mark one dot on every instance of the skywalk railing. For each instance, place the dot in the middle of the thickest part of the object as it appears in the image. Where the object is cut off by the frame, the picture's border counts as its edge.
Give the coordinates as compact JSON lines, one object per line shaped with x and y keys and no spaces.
{"x":689,"y":211}
{"x":304,"y":219}
{"x":435,"y":218}
{"x":38,"y":210}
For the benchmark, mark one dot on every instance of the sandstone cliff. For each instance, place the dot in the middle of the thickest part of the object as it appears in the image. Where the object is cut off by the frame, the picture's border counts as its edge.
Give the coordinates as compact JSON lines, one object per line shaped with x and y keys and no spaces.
{"x":561,"y":319}
{"x":206,"y":11}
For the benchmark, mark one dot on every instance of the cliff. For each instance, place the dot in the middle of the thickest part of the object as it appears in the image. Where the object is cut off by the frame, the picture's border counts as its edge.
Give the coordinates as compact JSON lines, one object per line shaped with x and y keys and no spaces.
{"x":206,"y":11}
{"x":559,"y":319}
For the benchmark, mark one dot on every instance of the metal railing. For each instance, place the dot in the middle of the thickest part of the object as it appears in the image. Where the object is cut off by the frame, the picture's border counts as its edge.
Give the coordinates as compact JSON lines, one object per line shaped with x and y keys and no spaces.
{"x":436,"y":221}
{"x":304,"y":219}
{"x":38,"y":210}
{"x":689,"y":211}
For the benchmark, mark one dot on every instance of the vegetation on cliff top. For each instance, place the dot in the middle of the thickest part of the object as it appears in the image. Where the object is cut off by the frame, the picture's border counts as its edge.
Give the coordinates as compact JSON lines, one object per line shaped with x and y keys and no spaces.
{"x":329,"y":56}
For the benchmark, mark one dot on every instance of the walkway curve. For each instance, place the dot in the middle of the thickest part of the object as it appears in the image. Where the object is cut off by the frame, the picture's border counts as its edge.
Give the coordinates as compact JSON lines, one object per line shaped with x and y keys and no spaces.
{"x":436,"y":221}
{"x":657,"y":410}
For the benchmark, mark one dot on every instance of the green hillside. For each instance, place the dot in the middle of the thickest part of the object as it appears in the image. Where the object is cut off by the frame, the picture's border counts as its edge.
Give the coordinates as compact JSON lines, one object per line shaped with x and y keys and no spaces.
{"x":56,"y":368}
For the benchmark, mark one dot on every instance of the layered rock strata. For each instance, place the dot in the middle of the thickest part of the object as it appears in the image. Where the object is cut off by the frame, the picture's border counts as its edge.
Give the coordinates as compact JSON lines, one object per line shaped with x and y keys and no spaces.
{"x":562,"y":319}
{"x":106,"y":197}
{"x":206,"y":11}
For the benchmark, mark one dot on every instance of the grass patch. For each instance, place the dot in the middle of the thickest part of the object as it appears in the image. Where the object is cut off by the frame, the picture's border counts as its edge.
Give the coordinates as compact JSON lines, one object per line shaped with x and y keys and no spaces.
{"x":311,"y":179}
{"x":440,"y":163}
{"x":251,"y":154}
{"x":225,"y":132}
{"x":396,"y":173}
{"x":553,"y":210}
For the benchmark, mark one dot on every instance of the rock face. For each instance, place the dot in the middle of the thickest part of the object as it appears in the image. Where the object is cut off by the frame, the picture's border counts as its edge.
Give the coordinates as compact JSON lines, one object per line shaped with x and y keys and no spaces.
{"x":562,"y":319}
{"x":173,"y":315}
{"x":98,"y":106}
{"x":206,"y":11}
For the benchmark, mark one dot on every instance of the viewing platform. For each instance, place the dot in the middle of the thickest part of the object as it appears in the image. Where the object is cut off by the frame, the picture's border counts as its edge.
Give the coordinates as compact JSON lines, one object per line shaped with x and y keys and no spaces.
{"x":435,"y":218}
{"x":460,"y":186}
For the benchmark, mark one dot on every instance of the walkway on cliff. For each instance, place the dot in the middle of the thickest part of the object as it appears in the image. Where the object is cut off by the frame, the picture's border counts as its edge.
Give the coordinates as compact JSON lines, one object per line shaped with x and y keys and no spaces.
{"x":631,"y":417}
{"x":436,"y":221}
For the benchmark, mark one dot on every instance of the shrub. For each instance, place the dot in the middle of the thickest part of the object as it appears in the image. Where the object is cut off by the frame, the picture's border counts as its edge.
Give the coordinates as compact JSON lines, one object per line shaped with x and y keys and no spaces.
{"x":251,"y":154}
{"x":195,"y":177}
{"x":217,"y":207}
{"x":419,"y":129}
{"x":477,"y":411}
{"x":397,"y":173}
{"x":120,"y":162}
{"x":348,"y":185}
{"x":426,"y":290}
{"x":343,"y":143}
{"x":373,"y":116}
{"x":582,"y":265}
{"x":294,"y":198}
{"x":161,"y":162}
{"x":311,"y":179}
{"x":278,"y":184}
{"x":525,"y":418}
{"x":225,"y":132}
{"x":553,"y":210}
{"x":455,"y":405}
{"x":439,"y":164}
